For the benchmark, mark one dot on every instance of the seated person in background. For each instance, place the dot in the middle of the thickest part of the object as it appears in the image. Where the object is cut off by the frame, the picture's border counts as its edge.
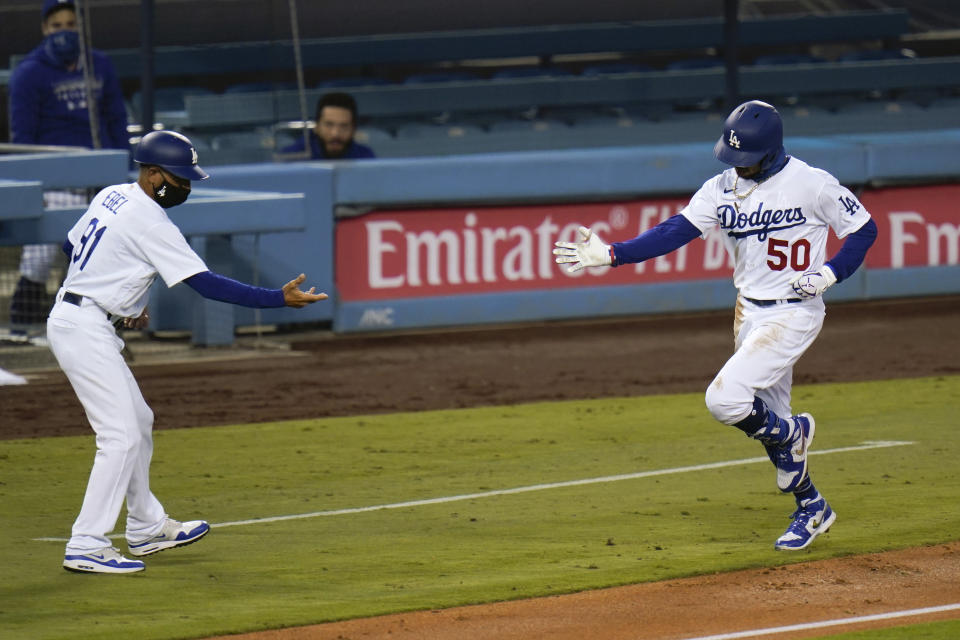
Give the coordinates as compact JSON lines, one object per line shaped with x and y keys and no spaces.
{"x":332,"y":136}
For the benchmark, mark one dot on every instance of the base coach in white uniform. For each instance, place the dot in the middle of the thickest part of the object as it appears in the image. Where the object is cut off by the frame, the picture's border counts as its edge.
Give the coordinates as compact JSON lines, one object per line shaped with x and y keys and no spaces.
{"x":116,"y":250}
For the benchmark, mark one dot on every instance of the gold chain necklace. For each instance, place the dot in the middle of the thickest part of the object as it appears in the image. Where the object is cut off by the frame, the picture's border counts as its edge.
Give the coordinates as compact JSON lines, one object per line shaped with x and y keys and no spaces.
{"x":742,"y":197}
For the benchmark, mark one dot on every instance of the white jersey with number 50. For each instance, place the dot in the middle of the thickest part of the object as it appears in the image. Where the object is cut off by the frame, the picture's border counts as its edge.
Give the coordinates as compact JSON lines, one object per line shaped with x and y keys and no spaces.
{"x":777,"y":228}
{"x":120,"y":245}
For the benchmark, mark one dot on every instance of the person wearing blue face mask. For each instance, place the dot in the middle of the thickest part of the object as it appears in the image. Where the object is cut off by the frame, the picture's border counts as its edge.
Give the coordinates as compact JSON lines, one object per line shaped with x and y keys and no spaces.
{"x":48,"y":103}
{"x":48,"y":106}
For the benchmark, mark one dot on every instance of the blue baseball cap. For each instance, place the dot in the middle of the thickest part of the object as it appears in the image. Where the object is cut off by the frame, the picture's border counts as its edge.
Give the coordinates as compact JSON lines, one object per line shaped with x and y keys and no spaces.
{"x":50,"y":6}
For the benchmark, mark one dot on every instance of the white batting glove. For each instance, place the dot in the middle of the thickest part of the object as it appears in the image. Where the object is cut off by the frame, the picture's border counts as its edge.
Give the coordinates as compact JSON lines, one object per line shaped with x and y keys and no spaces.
{"x":592,"y":252}
{"x":811,"y":284}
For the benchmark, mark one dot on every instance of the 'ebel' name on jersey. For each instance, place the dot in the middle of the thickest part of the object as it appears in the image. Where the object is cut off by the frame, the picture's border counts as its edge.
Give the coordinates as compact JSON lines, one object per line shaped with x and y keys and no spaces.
{"x":759,"y":222}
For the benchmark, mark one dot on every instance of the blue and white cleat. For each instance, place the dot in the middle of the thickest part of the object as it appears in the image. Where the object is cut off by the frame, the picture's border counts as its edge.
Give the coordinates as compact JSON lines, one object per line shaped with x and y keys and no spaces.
{"x":791,"y":458}
{"x":811,"y":518}
{"x":173,"y":534}
{"x":106,"y":560}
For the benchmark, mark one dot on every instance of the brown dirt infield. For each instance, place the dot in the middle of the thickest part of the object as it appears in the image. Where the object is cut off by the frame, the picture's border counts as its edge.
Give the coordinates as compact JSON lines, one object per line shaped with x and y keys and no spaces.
{"x":687,"y":608}
{"x":326,"y":375}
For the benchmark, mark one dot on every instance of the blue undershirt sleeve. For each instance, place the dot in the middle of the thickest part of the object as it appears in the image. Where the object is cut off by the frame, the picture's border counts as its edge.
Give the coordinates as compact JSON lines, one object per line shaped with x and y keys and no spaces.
{"x":853,"y":251}
{"x":669,"y":235}
{"x":67,"y":248}
{"x":217,"y":287}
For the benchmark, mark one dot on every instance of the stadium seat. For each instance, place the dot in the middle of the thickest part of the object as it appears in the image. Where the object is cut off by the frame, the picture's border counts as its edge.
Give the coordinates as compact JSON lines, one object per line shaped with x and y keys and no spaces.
{"x":353,"y":81}
{"x":371,"y":135}
{"x":569,"y":115}
{"x":876,"y":54}
{"x":945,"y":102}
{"x":696,"y":115}
{"x":923,"y":96}
{"x":604,"y":121}
{"x":880,"y":115}
{"x":441,"y":76}
{"x":539,"y":124}
{"x":788,"y":58}
{"x":694,"y":63}
{"x":530,"y":72}
{"x":260,"y":87}
{"x":655,"y":111}
{"x":429,"y":130}
{"x":885,"y":108}
{"x":241,"y":140}
{"x":803,"y":111}
{"x":169,"y":98}
{"x":609,"y":68}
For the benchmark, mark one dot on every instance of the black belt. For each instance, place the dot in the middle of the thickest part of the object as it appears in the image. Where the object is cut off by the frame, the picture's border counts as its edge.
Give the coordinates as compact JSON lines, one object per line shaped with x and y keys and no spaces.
{"x":770,"y":303}
{"x":72,"y":298}
{"x":76,"y":298}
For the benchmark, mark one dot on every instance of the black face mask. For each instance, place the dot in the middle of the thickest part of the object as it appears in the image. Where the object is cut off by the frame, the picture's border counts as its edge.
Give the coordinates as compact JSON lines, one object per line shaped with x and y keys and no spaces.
{"x":170,"y":195}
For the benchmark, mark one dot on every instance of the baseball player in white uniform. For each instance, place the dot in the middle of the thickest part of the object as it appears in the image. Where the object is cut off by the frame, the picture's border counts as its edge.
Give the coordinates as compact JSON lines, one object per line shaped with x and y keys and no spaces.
{"x":774,"y":211}
{"x":116,"y":250}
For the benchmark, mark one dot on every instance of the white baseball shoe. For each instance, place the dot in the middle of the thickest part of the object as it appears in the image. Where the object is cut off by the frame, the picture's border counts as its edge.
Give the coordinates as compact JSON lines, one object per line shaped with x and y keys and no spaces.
{"x":106,"y":560}
{"x":173,"y":534}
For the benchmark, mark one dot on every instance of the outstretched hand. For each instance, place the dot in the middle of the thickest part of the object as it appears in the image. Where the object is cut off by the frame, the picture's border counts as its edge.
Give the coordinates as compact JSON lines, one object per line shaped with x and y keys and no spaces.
{"x":296,"y":298}
{"x":592,"y":252}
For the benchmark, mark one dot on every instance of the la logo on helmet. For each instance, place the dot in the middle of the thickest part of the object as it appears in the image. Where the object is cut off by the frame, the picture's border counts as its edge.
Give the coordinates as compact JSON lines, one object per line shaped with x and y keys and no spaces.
{"x":196,"y":158}
{"x":733,"y":141}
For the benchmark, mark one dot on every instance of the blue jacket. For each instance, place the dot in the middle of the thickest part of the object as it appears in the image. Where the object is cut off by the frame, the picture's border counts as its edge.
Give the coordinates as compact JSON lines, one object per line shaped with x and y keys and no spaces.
{"x":355,"y":151}
{"x":48,"y":103}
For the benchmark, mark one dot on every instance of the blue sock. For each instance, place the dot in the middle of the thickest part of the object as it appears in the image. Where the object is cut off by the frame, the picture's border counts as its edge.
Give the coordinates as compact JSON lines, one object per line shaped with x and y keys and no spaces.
{"x":806,"y":491}
{"x":763,"y":424}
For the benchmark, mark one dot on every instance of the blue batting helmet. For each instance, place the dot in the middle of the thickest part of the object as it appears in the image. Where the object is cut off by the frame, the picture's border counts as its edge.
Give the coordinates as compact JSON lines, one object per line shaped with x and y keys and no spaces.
{"x":751,"y":132}
{"x":171,"y":151}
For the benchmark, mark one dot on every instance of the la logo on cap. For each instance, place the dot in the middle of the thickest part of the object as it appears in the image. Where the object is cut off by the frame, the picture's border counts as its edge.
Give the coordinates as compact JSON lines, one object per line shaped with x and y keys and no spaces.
{"x":733,"y":141}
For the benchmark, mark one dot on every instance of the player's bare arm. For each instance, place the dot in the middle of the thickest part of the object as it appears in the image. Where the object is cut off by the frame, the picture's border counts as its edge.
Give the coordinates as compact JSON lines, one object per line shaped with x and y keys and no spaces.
{"x":295,"y":297}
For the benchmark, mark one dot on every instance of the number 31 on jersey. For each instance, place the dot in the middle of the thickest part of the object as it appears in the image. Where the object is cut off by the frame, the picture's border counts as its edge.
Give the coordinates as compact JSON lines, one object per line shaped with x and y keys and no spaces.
{"x":92,"y":231}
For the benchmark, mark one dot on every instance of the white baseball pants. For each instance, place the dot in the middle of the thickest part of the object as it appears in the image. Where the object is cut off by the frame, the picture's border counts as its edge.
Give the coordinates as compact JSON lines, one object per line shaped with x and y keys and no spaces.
{"x":769,"y":341}
{"x":89,"y":352}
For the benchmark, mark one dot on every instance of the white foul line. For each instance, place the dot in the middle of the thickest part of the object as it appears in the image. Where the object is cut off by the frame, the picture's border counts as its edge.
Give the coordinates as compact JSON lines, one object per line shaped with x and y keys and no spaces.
{"x":870,"y":444}
{"x":829,"y":623}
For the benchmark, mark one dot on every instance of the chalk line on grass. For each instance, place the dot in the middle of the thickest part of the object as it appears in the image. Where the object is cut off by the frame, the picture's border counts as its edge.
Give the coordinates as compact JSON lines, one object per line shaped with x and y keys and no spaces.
{"x":870,"y":444}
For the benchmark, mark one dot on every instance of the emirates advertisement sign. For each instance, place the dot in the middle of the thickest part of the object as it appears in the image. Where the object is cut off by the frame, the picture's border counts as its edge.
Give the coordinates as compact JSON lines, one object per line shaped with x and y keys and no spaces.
{"x":470,"y":250}
{"x":919,"y":226}
{"x":441,"y":252}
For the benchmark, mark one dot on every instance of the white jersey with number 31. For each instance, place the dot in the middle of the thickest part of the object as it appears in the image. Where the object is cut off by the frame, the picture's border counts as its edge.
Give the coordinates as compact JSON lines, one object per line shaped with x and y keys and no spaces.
{"x":120,"y":245}
{"x":777,"y":228}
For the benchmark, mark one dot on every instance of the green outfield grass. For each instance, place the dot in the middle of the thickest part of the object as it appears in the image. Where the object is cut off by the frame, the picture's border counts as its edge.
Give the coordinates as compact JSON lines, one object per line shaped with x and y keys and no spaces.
{"x":486,"y":548}
{"x":944,"y":630}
